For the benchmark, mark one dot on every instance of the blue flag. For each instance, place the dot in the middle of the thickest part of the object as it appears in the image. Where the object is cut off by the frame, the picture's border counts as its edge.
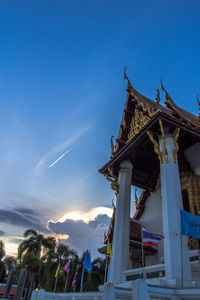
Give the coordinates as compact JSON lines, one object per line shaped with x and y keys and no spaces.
{"x":87,"y":262}
{"x":190,"y":224}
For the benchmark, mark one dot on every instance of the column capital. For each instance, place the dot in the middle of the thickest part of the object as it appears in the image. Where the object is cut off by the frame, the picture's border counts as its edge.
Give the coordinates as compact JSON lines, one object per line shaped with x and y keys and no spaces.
{"x":126,"y":165}
{"x":169,"y":146}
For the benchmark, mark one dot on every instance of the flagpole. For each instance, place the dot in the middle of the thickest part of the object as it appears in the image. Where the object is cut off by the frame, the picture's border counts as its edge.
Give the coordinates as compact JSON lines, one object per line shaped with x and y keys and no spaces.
{"x":142,"y":252}
{"x":58,"y":264}
{"x":55,"y":285}
{"x":181,"y":262}
{"x":106,"y":267}
{"x":82,"y":279}
{"x":66,"y":281}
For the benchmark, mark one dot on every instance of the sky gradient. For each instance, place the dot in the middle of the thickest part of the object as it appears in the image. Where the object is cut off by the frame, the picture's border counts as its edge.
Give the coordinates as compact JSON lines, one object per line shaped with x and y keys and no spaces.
{"x":62,"y":93}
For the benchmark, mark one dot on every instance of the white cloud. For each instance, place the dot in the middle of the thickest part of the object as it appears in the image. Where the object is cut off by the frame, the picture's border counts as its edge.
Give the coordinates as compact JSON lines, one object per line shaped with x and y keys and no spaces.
{"x":82,"y":235}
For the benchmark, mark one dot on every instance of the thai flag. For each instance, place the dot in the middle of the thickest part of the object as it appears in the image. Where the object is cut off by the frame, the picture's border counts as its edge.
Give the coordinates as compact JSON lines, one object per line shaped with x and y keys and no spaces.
{"x":150,"y":239}
{"x":74,"y":280}
{"x":66,"y":266}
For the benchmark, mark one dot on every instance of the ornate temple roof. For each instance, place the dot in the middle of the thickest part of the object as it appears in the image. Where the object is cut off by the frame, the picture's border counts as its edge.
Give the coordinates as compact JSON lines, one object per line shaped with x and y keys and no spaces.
{"x":147,"y":108}
{"x":142,"y":116}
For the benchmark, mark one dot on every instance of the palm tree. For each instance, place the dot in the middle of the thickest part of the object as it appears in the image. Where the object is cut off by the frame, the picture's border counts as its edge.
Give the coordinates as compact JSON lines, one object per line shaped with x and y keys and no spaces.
{"x":9,"y":262}
{"x":34,"y":242}
{"x":2,"y":265}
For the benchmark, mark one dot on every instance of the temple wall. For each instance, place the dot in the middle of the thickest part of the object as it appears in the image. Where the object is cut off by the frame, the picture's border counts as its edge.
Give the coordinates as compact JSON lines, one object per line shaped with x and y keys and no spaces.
{"x":152,"y":220}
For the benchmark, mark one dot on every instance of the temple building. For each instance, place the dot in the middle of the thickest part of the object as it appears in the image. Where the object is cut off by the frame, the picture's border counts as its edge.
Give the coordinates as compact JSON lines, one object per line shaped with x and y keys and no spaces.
{"x":157,"y":150}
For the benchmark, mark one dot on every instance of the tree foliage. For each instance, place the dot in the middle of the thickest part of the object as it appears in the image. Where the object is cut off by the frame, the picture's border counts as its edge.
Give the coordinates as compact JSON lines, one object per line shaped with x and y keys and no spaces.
{"x":41,"y":255}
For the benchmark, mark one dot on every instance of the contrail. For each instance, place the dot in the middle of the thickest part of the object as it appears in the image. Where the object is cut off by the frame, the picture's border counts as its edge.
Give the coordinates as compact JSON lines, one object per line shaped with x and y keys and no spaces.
{"x":59,"y":158}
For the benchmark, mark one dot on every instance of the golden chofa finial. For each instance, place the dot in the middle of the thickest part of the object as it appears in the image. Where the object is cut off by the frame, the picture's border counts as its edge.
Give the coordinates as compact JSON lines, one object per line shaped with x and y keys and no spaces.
{"x":198,"y":101}
{"x":126,"y":77}
{"x":112,"y":146}
{"x":136,"y":200}
{"x":167,"y":97}
{"x":157,"y":99}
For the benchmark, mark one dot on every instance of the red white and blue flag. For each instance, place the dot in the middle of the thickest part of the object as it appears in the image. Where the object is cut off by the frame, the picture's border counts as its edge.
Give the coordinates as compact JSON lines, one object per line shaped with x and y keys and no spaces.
{"x":150,"y":239}
{"x":74,"y":280}
{"x":66,"y":266}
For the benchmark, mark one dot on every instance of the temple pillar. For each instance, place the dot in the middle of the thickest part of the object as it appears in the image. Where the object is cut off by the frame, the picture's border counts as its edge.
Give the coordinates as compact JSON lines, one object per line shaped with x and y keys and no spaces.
{"x":121,"y":236}
{"x":176,"y":254}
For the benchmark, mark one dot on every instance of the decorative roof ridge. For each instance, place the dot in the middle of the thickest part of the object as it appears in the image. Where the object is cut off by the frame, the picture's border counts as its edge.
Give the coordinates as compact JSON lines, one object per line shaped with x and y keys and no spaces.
{"x":186,"y":115}
{"x":148,"y":105}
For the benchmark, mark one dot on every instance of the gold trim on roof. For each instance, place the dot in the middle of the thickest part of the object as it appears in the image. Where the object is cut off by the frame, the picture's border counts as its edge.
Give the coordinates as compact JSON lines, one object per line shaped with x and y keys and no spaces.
{"x":199,"y":105}
{"x":164,"y":142}
{"x":157,"y":99}
{"x":156,"y":146}
{"x":179,"y":111}
{"x":110,"y":176}
{"x":176,"y":146}
{"x":112,"y":146}
{"x":136,"y":200}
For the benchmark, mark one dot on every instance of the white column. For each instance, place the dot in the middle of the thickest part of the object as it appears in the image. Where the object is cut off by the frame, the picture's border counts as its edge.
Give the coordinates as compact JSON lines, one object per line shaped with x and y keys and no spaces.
{"x":177,"y":265}
{"x":121,"y":235}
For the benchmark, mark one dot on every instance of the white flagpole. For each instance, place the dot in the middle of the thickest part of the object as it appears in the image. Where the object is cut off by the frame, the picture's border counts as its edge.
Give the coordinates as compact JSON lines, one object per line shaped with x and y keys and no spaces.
{"x":82,"y":279}
{"x":142,"y":252}
{"x":66,"y":281}
{"x":59,"y":265}
{"x":106,"y":269}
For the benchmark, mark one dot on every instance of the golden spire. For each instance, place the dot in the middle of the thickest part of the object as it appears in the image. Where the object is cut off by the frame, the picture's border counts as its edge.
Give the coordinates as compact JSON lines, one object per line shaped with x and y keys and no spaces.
{"x":157,"y":99}
{"x":136,"y":200}
{"x":112,"y":147}
{"x":198,"y":101}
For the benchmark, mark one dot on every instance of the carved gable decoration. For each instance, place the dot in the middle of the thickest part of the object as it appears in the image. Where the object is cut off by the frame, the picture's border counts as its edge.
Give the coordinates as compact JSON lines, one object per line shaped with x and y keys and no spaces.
{"x":138,"y":121}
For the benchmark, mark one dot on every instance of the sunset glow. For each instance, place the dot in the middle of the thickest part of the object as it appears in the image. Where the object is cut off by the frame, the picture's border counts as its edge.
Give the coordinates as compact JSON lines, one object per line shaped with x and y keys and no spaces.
{"x":87,"y":216}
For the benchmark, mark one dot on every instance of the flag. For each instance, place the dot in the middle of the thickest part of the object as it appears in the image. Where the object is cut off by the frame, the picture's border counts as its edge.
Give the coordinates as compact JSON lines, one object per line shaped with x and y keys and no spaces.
{"x":109,"y":249}
{"x":57,"y":271}
{"x":66,"y":266}
{"x":74,"y":280}
{"x":150,"y":239}
{"x":190,"y":224}
{"x":87,"y":262}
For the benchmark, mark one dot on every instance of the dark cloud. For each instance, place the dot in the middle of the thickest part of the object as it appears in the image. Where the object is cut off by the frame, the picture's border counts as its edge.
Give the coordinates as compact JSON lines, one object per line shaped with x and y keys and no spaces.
{"x":28,"y":213}
{"x":2,"y":233}
{"x":16,"y":218}
{"x":25,"y":211}
{"x":83,"y":236}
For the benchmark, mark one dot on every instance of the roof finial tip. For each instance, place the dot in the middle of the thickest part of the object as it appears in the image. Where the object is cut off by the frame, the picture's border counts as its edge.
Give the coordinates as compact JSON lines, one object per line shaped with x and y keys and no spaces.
{"x":198,"y":101}
{"x":125,"y":76}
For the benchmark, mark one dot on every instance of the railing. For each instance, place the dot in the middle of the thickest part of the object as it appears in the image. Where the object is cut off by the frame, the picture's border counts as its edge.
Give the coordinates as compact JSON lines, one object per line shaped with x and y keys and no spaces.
{"x":156,"y":271}
{"x":43,"y":295}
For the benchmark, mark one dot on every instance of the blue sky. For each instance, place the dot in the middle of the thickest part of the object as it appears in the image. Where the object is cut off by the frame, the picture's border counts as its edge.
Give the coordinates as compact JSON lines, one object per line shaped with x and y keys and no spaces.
{"x":62,"y":88}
